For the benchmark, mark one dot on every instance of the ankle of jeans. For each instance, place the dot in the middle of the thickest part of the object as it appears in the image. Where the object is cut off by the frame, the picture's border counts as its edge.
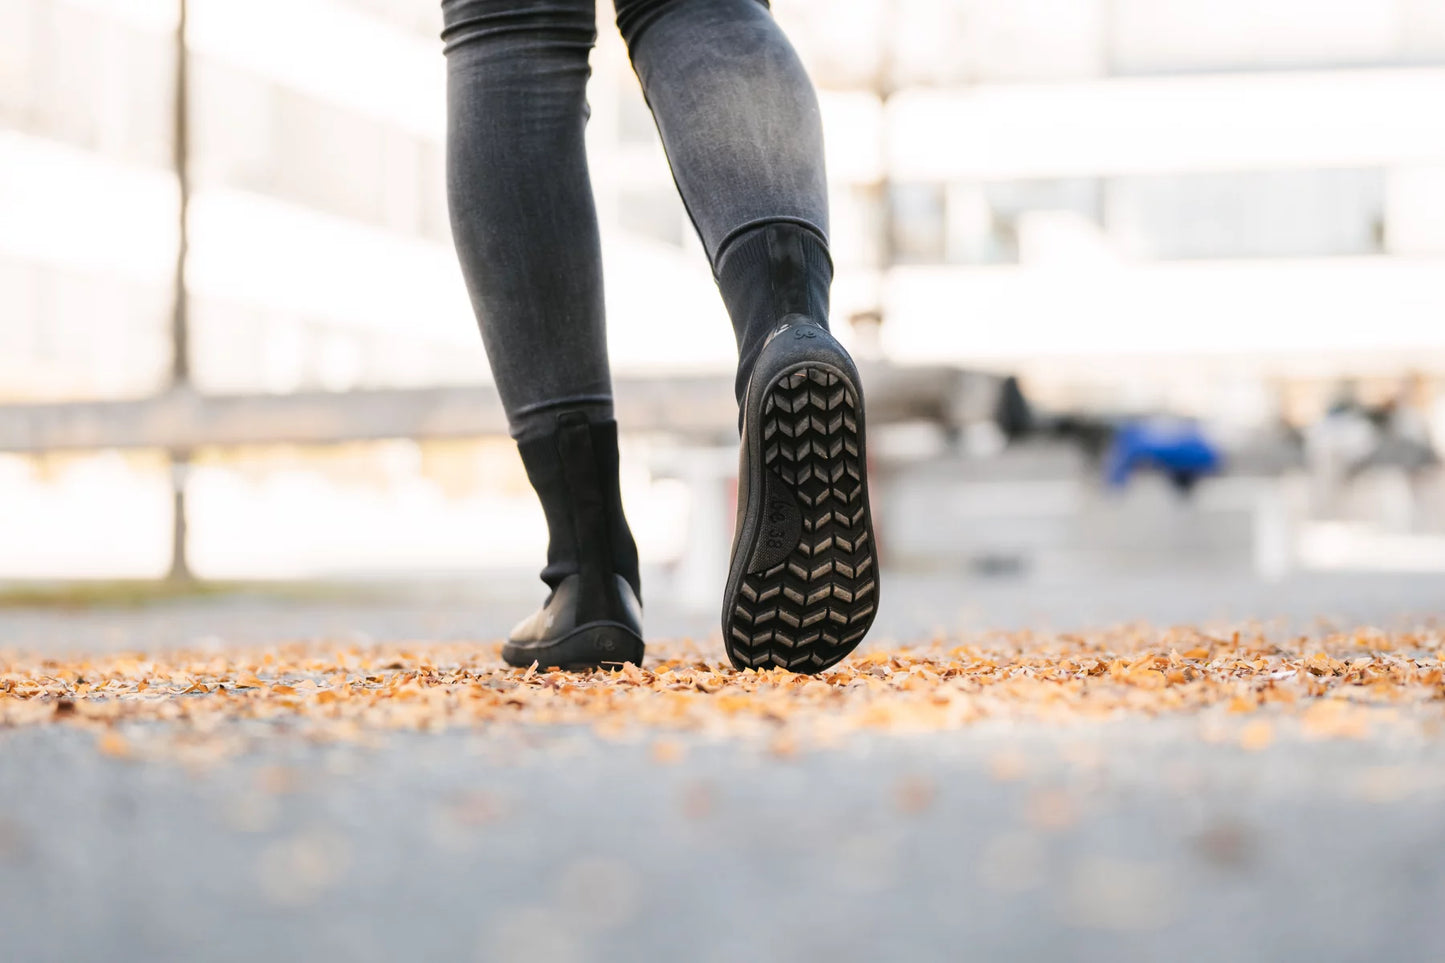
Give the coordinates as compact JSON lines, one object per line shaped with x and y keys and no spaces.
{"x":539,"y":420}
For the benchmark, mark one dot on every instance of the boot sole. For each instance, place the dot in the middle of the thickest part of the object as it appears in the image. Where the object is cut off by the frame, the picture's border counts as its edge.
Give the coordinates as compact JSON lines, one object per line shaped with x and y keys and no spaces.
{"x":803,"y":586}
{"x":588,"y":646}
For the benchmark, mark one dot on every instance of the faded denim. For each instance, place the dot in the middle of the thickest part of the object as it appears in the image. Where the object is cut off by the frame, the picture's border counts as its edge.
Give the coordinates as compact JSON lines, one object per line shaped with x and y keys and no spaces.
{"x":740,"y":124}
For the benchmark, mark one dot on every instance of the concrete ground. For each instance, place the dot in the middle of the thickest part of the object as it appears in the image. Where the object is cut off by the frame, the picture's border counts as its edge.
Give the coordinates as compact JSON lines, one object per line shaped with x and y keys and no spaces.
{"x":914,"y":606}
{"x":1133,"y":838}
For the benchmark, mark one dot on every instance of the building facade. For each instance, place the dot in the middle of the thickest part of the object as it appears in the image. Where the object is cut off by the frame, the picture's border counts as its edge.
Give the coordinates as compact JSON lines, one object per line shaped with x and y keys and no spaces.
{"x":1063,"y":186}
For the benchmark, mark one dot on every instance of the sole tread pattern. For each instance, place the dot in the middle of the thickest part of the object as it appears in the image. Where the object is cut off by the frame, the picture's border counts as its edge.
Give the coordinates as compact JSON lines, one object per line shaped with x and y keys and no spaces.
{"x":810,"y":610}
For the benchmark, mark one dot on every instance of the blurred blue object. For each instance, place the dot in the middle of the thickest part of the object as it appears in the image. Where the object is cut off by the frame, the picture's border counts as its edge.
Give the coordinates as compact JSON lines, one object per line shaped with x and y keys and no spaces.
{"x":1176,"y":448}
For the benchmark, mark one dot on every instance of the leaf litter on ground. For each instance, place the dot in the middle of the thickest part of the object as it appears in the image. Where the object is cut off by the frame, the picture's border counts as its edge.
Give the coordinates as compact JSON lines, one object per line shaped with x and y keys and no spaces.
{"x":1344,"y":685}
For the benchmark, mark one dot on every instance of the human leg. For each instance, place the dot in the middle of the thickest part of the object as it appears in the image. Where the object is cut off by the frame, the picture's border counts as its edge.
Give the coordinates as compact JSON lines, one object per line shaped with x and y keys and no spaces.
{"x":743,"y":134}
{"x":526,"y":234}
{"x":741,"y":127}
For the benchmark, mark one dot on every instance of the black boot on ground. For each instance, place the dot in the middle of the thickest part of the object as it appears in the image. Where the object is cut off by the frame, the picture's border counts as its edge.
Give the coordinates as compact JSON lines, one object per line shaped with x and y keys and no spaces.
{"x":593,"y":616}
{"x":802,"y":588}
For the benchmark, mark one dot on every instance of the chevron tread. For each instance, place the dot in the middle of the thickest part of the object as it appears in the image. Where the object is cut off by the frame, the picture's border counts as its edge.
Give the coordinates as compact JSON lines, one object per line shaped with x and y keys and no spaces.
{"x":810,"y":610}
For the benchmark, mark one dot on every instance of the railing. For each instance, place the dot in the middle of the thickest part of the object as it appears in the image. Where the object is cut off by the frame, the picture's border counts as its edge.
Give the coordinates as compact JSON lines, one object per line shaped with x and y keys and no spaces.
{"x":698,"y":410}
{"x":701,"y":408}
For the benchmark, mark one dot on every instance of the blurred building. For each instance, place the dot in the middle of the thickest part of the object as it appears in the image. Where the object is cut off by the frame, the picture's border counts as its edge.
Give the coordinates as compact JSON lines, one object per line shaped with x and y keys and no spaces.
{"x":317,"y":221}
{"x":1050,"y":180}
{"x":1146,"y":200}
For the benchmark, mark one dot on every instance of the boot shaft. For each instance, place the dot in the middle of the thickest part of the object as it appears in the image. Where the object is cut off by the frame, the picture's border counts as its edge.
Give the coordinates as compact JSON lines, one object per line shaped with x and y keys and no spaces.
{"x":770,"y":273}
{"x":574,"y":471}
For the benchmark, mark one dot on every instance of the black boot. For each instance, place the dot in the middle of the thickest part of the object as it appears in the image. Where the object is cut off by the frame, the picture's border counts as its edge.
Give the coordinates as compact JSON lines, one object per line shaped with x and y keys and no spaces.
{"x":593,"y":615}
{"x":802,"y":588}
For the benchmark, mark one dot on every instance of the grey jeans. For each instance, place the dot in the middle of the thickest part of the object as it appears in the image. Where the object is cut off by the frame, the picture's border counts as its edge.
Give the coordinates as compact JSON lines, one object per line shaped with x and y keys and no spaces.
{"x":739,"y":121}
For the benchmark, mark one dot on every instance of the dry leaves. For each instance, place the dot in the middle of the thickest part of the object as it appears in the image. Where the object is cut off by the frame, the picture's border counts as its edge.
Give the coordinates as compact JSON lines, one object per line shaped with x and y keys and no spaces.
{"x":1338,"y":687}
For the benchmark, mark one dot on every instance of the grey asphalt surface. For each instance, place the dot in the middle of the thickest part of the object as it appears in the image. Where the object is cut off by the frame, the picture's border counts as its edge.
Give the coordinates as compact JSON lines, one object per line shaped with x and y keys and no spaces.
{"x":1132,"y":839}
{"x":915,"y":606}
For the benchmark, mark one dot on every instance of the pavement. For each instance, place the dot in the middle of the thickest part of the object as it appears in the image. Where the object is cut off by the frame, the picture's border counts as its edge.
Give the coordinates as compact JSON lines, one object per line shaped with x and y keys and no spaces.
{"x":1135,"y":837}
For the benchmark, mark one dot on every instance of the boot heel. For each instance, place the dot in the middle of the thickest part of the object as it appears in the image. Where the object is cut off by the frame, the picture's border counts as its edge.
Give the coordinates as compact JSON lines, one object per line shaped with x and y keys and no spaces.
{"x":593,"y":645}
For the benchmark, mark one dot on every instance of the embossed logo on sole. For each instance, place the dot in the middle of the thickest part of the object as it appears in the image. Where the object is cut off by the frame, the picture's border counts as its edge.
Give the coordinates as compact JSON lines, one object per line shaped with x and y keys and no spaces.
{"x":782,"y":525}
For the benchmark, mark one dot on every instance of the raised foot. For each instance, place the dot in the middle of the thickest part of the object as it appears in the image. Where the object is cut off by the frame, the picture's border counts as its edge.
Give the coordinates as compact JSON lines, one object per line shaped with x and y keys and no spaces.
{"x":810,"y":590}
